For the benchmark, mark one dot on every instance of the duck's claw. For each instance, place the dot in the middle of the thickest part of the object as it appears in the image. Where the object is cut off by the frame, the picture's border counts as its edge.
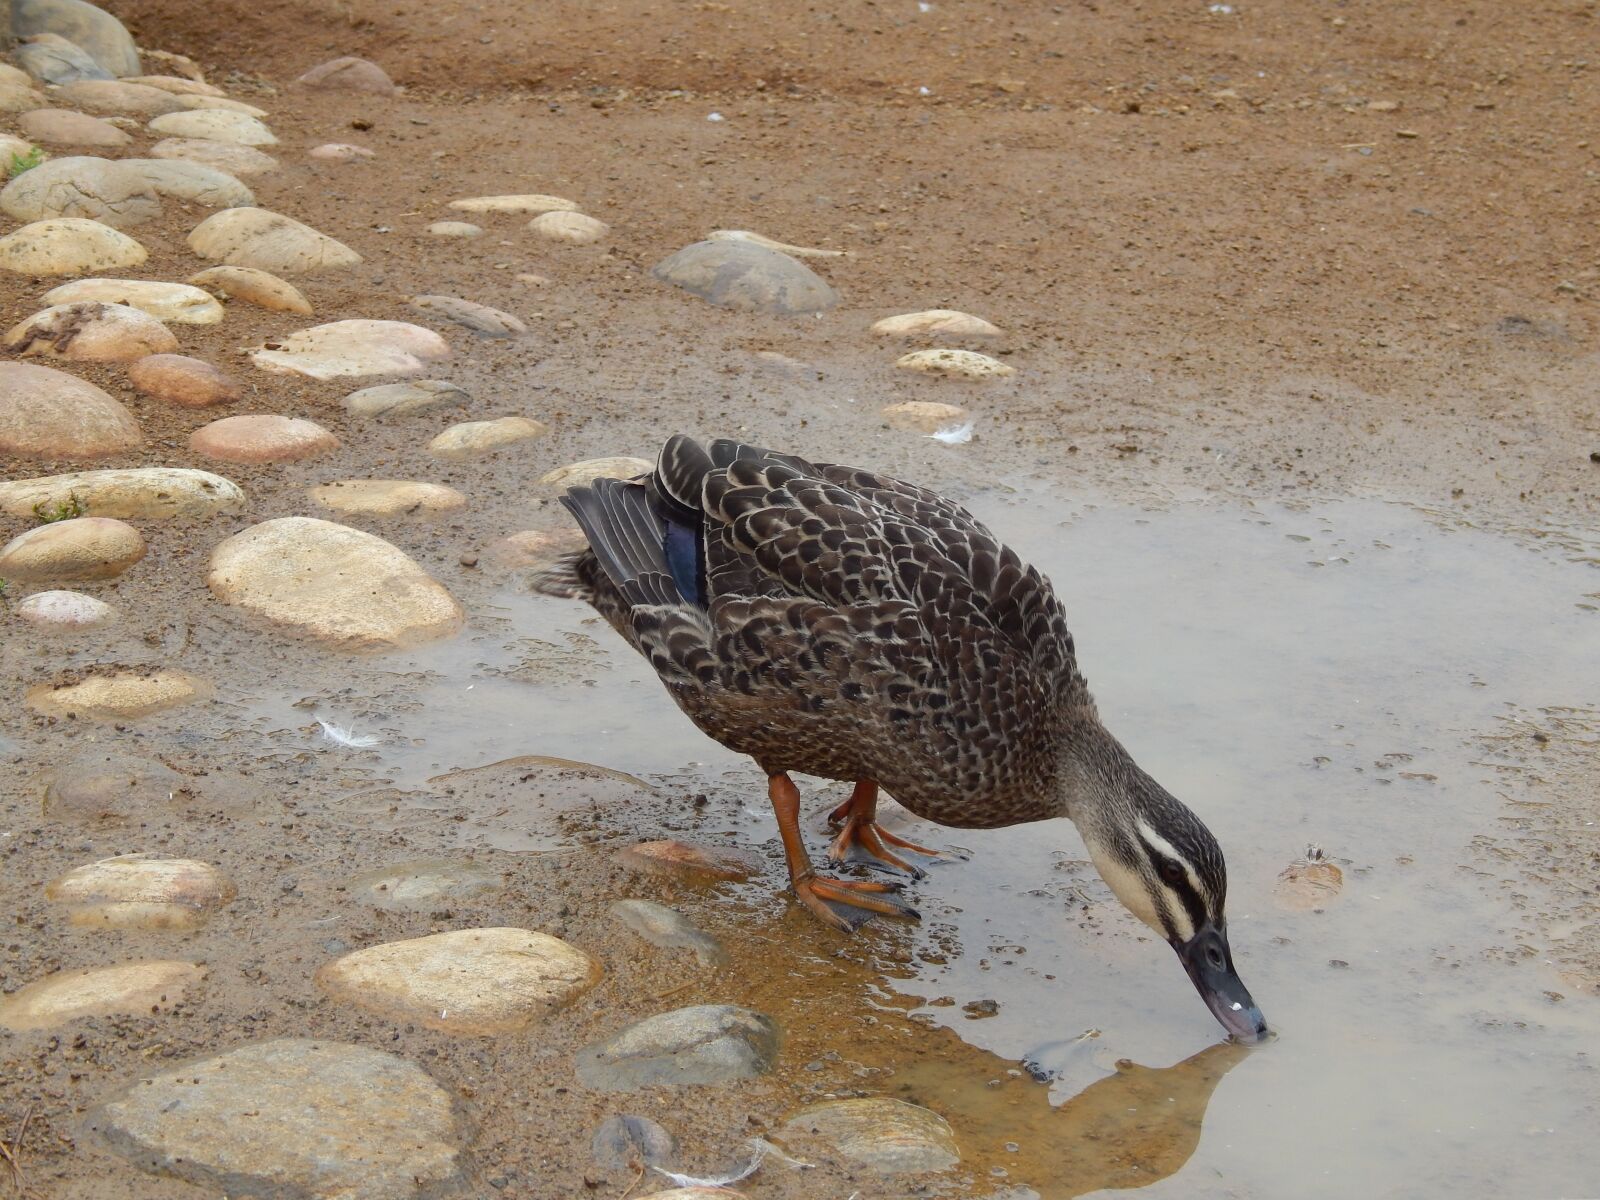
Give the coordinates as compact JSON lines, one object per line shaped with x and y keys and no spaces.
{"x":848,"y":904}
{"x":869,"y":842}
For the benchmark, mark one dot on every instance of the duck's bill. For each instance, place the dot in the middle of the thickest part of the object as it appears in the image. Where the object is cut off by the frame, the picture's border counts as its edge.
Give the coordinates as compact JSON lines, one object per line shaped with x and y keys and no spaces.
{"x":1210,"y":965}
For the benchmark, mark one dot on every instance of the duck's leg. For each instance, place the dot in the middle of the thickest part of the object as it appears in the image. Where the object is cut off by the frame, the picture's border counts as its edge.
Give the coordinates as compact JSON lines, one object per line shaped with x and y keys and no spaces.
{"x":844,"y":904}
{"x":862,"y":835}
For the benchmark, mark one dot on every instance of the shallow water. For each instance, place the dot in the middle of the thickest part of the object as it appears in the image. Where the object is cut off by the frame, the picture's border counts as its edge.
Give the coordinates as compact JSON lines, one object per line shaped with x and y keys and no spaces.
{"x":1320,"y":675}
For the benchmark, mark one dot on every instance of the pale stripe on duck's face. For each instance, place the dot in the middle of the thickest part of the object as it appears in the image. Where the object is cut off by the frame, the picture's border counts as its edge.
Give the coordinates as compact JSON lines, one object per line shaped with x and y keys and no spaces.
{"x":1157,"y":884}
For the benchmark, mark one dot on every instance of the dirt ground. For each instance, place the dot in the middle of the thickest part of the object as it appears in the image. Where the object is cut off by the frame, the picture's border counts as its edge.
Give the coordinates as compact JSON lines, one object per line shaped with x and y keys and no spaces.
{"x":1283,"y":250}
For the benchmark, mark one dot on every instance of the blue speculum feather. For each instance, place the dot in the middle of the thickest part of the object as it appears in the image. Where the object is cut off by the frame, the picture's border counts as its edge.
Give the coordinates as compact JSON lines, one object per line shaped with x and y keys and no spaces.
{"x":682,"y":551}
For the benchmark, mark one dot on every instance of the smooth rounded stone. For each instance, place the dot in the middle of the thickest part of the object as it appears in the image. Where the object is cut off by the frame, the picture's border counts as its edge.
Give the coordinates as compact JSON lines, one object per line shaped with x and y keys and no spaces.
{"x":262,"y":438}
{"x":45,"y":413}
{"x":141,"y":891}
{"x":133,"y":493}
{"x":178,"y":303}
{"x":76,"y":550}
{"x":923,"y":416}
{"x":353,"y":349}
{"x":455,"y":229}
{"x":121,"y":694}
{"x":404,"y":399}
{"x":178,"y":379}
{"x":590,"y":469}
{"x":223,"y":104}
{"x":573,"y":228}
{"x":341,"y":152}
{"x":470,"y":981}
{"x":530,"y":203}
{"x":92,"y":29}
{"x":935,"y":322}
{"x":214,"y":125}
{"x":1308,"y":883}
{"x":14,"y":147}
{"x":51,"y":58}
{"x":387,"y":497}
{"x":135,"y":988}
{"x":191,"y":181}
{"x":19,"y":98}
{"x":82,"y":186}
{"x":253,"y":286}
{"x":68,"y":246}
{"x":65,"y":612}
{"x":63,"y":127}
{"x":425,"y":885}
{"x":665,"y":927}
{"x":532,"y":548}
{"x":90,"y":331}
{"x":888,"y":1136}
{"x":480,"y":318}
{"x":742,"y":275}
{"x":627,"y":1142}
{"x":349,"y":74}
{"x":954,"y":364}
{"x":706,"y":1043}
{"x":14,"y":76}
{"x":332,"y":583}
{"x":223,"y":156}
{"x":111,"y":96}
{"x":176,"y":84}
{"x":268,"y":241}
{"x":473,"y":439}
{"x":292,"y":1119}
{"x":745,"y":235}
{"x":786,"y":366}
{"x":687,"y":859}
{"x":105,"y":785}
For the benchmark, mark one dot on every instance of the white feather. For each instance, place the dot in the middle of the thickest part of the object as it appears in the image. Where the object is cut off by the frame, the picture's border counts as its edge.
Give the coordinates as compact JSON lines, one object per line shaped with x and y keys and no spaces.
{"x":953,"y":435}
{"x":348,"y":738}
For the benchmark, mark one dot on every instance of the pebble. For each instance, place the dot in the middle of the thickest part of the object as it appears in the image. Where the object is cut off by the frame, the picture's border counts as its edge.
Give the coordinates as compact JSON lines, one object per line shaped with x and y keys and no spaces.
{"x":891,"y":1137}
{"x":455,"y":229}
{"x":341,"y":152}
{"x":50,"y":58}
{"x":140,"y":988}
{"x":473,"y":439}
{"x":1309,"y":882}
{"x":387,"y":497}
{"x":531,"y":203}
{"x":405,"y":399}
{"x":253,"y":286}
{"x":187,"y":382}
{"x":214,"y":125}
{"x":120,"y":694}
{"x":628,"y":1142}
{"x":425,"y":885}
{"x":292,"y":1117}
{"x":480,"y":318}
{"x":90,"y":331}
{"x":590,"y":469}
{"x":74,"y":550}
{"x":177,"y":303}
{"x":268,"y":241}
{"x":332,"y":583}
{"x":82,"y":186}
{"x":68,"y":246}
{"x":662,"y":926}
{"x":236,"y":160}
{"x":93,"y":30}
{"x":935,"y":322}
{"x":742,"y":275}
{"x":141,"y":891}
{"x":349,"y":74}
{"x":191,"y":181}
{"x":100,"y":785}
{"x":705,"y":1043}
{"x":464,"y":981}
{"x":133,"y":493}
{"x":65,"y":612}
{"x":531,"y":548}
{"x":674,"y":858}
{"x":745,"y":235}
{"x":962,"y":364}
{"x":574,"y":228}
{"x":19,"y":96}
{"x":112,"y":96}
{"x":63,"y":127}
{"x":923,"y":416}
{"x":262,"y":438}
{"x":45,"y":413}
{"x":353,"y":349}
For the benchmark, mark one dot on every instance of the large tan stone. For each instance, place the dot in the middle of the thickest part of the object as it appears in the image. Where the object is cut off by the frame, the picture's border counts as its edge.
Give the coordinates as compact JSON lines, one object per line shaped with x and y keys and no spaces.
{"x":177,"y":303}
{"x":215,"y":125}
{"x":121,"y":694}
{"x":223,"y":156}
{"x":89,"y":331}
{"x":72,"y":551}
{"x":253,"y":286}
{"x":68,"y":246}
{"x":48,"y":414}
{"x":353,"y":349}
{"x":135,"y":988}
{"x":262,"y":438}
{"x":82,"y":186}
{"x":104,"y":96}
{"x":268,"y":241}
{"x":136,"y":493}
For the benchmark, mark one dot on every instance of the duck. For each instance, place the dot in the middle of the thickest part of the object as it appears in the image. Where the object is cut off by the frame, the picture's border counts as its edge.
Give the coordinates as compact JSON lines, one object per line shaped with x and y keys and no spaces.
{"x":835,"y":622}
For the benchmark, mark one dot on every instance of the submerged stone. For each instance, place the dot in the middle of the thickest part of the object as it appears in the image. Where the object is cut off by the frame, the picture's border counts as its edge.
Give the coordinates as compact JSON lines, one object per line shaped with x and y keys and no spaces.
{"x":706,"y":1043}
{"x":743,"y":275}
{"x":135,"y":988}
{"x":139,"y":891}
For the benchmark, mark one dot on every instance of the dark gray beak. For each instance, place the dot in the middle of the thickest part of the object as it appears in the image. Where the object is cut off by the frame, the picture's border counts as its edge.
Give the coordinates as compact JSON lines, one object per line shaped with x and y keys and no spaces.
{"x":1210,"y":964}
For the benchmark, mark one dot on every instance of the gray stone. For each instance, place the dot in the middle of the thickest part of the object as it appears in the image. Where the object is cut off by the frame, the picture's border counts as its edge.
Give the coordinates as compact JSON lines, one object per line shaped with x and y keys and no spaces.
{"x":292,"y":1119}
{"x":629,"y":1142}
{"x":662,"y":926}
{"x":95,"y":31}
{"x":404,"y":399}
{"x":50,"y":58}
{"x":224,"y":156}
{"x":349,"y":74}
{"x":743,"y":275}
{"x":81,"y":186}
{"x":106,"y":786}
{"x":891,"y":1137}
{"x":479,"y":318}
{"x":706,"y":1043}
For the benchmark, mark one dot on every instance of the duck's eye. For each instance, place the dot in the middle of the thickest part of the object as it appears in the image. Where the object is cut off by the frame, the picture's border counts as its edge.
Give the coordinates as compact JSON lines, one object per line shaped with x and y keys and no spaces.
{"x":1172,"y":872}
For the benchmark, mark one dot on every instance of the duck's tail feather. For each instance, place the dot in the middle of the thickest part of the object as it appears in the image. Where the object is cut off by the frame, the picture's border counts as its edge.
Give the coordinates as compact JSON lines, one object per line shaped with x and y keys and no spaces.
{"x":627,"y":538}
